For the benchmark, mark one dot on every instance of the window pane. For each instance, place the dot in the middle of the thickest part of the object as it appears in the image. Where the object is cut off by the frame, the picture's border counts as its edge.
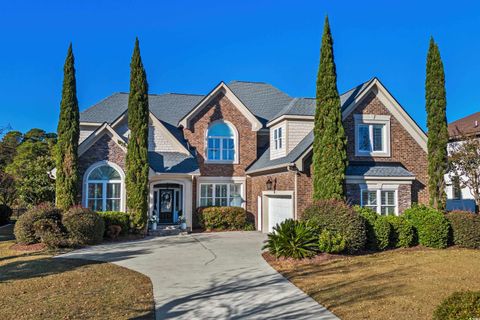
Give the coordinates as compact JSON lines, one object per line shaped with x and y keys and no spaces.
{"x":104,"y":173}
{"x":95,"y":204}
{"x":113,"y":205}
{"x":235,"y":196}
{"x":228,"y":154}
{"x":221,"y":202}
{"x":113,"y":190}
{"x":388,"y":198}
{"x":206,"y":190}
{"x":220,"y":130}
{"x":221,"y":191}
{"x":377,"y":137}
{"x":228,"y":143}
{"x":95,"y":190}
{"x":363,"y":138}
{"x":279,"y":132}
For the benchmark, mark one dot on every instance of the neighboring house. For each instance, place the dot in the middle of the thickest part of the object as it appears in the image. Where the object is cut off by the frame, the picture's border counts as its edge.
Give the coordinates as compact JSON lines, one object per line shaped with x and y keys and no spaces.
{"x":249,"y":144}
{"x":459,"y":198}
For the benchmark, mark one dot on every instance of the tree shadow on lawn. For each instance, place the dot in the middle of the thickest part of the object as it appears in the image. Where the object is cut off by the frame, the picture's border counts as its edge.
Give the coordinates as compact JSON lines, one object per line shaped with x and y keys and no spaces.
{"x":6,"y":233}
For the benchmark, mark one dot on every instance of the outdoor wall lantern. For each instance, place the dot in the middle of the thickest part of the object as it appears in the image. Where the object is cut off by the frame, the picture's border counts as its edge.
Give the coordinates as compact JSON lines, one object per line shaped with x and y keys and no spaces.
{"x":269,"y":184}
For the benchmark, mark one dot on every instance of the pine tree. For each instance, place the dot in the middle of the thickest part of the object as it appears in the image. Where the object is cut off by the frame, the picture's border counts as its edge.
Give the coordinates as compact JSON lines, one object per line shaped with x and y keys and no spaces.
{"x":436,"y":105}
{"x":137,"y":151}
{"x":329,"y":144}
{"x":67,"y":181}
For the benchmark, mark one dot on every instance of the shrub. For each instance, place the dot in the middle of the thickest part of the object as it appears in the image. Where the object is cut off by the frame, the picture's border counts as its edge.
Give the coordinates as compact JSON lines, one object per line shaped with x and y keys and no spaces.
{"x":336,"y":216}
{"x":83,"y":226}
{"x":431,"y":226}
{"x":402,"y":235}
{"x":293,"y":239}
{"x":24,"y":227}
{"x":383,"y":231}
{"x":222,"y":218}
{"x":370,"y":217}
{"x":51,"y":233}
{"x":5,"y":214}
{"x":465,"y":229}
{"x":459,"y":306}
{"x":331,"y":242}
{"x":117,"y":218}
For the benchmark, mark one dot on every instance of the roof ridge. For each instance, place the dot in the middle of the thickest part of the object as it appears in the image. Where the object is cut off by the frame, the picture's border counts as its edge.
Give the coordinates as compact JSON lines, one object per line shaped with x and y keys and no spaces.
{"x":245,"y":81}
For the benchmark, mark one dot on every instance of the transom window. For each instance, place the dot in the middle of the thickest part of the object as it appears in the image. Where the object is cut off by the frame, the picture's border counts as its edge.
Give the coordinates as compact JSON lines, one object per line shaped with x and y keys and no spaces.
{"x":221,"y":194}
{"x":221,"y":143}
{"x":104,"y":186}
{"x":278,"y":138}
{"x":383,"y":202}
{"x":456,"y":188}
{"x":371,"y":138}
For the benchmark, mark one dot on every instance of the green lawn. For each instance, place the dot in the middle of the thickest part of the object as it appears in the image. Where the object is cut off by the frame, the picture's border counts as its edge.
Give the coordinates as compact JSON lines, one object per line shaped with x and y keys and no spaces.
{"x":396,"y":284}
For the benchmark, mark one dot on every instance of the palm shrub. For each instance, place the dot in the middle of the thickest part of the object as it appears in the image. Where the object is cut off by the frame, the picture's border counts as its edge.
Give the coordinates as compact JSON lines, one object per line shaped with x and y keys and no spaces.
{"x":5,"y":214}
{"x":293,"y":239}
{"x":25,"y":232}
{"x":465,"y":229}
{"x":459,"y":306}
{"x":337,"y":216}
{"x":116,"y":218}
{"x":402,"y":235}
{"x":383,"y":231}
{"x":84,"y":226}
{"x":331,"y":242}
{"x":430,"y":225}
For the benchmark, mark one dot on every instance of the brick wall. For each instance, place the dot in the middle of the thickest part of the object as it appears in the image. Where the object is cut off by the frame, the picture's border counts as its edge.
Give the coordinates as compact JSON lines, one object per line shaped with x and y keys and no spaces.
{"x":222,"y":108}
{"x":105,"y":149}
{"x":404,"y":149}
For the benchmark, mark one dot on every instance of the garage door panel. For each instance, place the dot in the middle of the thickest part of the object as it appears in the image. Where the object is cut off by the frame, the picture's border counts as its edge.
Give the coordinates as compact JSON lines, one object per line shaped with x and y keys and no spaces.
{"x":280,"y":208}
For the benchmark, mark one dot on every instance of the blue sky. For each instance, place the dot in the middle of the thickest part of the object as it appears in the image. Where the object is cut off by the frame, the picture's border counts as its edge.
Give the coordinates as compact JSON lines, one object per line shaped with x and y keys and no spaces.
{"x":190,"y":46}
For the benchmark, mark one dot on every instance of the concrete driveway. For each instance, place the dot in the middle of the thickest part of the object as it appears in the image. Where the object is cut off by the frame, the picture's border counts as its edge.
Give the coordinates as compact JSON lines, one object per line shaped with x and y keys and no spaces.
{"x":210,"y":276}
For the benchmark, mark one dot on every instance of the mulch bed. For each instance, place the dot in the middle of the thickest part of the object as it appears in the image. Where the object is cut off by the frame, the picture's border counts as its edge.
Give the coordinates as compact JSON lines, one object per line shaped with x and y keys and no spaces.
{"x":28,"y":247}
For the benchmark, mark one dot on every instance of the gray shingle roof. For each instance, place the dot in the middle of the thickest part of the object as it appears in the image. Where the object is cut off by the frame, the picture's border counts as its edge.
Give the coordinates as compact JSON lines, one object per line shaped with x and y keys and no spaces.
{"x":172,"y":162}
{"x":264,"y":161}
{"x":375,"y":170}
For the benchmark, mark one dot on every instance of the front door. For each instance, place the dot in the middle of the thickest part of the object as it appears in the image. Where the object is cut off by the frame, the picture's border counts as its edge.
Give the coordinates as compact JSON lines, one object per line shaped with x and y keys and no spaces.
{"x":165,"y":206}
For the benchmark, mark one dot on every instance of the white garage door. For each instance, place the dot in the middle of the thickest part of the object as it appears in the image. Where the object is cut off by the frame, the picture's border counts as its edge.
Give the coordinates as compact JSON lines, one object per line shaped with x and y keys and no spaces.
{"x":279,"y":209}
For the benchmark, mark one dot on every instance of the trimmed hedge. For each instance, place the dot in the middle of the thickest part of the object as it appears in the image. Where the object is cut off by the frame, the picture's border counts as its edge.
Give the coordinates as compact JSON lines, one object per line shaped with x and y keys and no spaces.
{"x":331,"y":242}
{"x":5,"y":214}
{"x":223,"y":218}
{"x":337,"y":216}
{"x":293,"y":239}
{"x":118,"y":218}
{"x":430,"y":225}
{"x":84,"y":226}
{"x":383,"y":231}
{"x":403,"y":235}
{"x":465,"y":229}
{"x":24,"y":230}
{"x":459,"y":306}
{"x":51,"y":233}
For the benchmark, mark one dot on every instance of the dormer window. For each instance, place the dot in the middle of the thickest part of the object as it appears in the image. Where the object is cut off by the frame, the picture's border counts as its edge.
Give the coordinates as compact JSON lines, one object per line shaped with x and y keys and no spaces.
{"x":278,"y":138}
{"x":221,"y":143}
{"x":372,"y":135}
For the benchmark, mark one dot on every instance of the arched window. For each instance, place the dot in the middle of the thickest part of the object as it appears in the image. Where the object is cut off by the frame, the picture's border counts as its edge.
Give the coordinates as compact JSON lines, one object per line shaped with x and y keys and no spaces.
{"x":104,"y":189}
{"x":221,"y":142}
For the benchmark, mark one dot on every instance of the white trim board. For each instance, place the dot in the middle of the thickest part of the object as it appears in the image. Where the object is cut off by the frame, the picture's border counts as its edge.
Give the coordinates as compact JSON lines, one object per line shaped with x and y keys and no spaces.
{"x":97,"y":134}
{"x":222,"y":88}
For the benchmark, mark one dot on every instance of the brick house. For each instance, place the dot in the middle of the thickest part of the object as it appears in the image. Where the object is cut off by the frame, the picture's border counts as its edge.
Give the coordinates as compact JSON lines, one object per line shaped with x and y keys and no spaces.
{"x":249,"y":144}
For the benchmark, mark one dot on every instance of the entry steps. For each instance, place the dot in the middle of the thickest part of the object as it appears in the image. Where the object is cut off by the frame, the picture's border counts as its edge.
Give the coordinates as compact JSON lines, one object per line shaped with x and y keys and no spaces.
{"x":167,"y":230}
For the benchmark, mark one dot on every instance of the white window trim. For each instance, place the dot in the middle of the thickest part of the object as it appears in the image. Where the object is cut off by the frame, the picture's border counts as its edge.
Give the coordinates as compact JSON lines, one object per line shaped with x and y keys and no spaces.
{"x":278,"y":139}
{"x":221,"y":180}
{"x":378,"y":190}
{"x":370,"y":120}
{"x":104,"y":186}
{"x":235,"y":144}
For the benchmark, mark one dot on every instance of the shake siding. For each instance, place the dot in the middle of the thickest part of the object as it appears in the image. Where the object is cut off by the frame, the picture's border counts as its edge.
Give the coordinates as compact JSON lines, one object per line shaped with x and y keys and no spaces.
{"x":297,"y":130}
{"x":85,"y":131}
{"x":157,"y":141}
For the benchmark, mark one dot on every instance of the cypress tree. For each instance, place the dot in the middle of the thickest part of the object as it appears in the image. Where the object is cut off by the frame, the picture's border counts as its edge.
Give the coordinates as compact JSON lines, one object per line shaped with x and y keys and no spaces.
{"x":329,"y":144}
{"x":436,"y":105}
{"x":68,"y":130}
{"x":137,"y":150}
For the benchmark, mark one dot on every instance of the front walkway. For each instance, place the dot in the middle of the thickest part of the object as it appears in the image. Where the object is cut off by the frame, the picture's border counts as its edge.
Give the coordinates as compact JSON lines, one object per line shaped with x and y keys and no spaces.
{"x":210,"y":276}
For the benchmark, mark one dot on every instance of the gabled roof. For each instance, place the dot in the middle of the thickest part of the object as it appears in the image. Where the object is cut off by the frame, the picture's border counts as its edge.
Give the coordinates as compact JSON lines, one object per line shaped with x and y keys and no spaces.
{"x":468,"y":125}
{"x":105,"y":128}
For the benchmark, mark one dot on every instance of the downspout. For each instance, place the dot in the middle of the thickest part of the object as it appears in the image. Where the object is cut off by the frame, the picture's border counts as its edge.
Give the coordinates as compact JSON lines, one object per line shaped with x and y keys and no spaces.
{"x":293,"y":168}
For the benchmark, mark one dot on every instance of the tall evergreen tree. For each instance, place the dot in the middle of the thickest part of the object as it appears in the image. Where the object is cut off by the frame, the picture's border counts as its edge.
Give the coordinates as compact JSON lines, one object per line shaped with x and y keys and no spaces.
{"x":68,"y":130}
{"x":436,"y":105}
{"x":137,"y":152}
{"x":329,"y":144}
